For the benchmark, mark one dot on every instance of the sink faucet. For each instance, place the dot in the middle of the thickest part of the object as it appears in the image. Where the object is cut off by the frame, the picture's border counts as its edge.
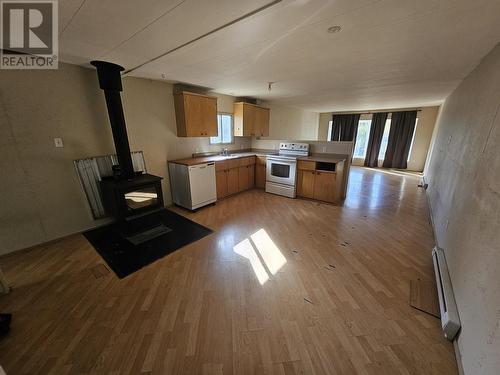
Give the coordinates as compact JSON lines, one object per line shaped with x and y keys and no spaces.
{"x":225,"y":152}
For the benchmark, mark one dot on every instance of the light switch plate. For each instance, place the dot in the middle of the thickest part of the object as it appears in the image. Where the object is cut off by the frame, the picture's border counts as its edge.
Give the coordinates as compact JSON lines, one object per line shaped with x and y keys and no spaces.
{"x":58,"y":142}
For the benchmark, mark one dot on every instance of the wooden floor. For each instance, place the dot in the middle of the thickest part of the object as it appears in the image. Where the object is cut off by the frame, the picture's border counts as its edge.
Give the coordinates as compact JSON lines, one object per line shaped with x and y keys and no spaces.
{"x":282,"y":287}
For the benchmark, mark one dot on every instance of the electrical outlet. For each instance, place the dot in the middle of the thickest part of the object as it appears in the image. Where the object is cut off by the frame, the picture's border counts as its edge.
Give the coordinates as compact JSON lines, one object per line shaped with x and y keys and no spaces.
{"x":58,"y":142}
{"x":324,"y":148}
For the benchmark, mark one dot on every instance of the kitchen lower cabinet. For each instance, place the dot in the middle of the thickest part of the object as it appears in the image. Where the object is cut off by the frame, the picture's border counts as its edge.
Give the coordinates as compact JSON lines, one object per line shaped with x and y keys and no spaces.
{"x":234,"y":176}
{"x":246,"y":173}
{"x":305,"y":183}
{"x":260,"y":172}
{"x":320,"y":184}
{"x":226,"y":178}
{"x":324,"y":186}
{"x":243,"y":178}
{"x":221,"y":183}
{"x":232,"y":181}
{"x":251,"y":176}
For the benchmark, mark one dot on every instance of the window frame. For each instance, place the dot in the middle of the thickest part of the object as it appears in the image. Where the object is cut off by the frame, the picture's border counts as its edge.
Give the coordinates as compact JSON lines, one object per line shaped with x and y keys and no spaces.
{"x":367,"y":139}
{"x":389,"y":119}
{"x":210,"y":139}
{"x":412,"y":140}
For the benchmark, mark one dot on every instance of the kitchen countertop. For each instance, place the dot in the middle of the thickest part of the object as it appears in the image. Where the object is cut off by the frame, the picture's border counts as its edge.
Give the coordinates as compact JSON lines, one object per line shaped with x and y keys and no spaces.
{"x":326,"y":158}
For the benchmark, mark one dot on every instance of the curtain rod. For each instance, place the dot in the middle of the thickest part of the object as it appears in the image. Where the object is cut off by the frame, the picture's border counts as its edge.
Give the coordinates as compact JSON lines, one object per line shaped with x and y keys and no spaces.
{"x":370,"y":113}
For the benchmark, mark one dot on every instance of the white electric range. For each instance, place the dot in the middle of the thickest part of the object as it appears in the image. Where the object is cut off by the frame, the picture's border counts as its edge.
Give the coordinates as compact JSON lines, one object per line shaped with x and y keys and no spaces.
{"x":281,"y":171}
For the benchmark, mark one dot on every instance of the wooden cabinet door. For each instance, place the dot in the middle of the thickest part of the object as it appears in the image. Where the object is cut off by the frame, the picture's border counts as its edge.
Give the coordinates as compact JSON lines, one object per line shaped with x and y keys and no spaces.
{"x":221,"y":183}
{"x":238,"y":119}
{"x":243,"y":178}
{"x":249,"y":120}
{"x":194,"y":113}
{"x":260,"y":176}
{"x":251,"y":175}
{"x":305,"y":183}
{"x":324,"y":186}
{"x":262,"y":122}
{"x":210,"y":116}
{"x":232,"y":181}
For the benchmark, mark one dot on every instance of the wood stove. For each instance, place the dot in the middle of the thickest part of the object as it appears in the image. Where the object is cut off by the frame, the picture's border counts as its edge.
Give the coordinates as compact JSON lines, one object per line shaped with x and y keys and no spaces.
{"x":132,"y":198}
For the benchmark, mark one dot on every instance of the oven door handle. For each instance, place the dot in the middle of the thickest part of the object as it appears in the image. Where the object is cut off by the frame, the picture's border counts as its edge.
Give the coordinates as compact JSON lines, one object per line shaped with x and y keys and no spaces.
{"x":287,"y":161}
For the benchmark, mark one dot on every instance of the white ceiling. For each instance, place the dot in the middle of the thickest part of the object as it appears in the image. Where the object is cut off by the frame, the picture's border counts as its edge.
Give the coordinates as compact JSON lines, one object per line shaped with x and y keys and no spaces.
{"x":389,"y":54}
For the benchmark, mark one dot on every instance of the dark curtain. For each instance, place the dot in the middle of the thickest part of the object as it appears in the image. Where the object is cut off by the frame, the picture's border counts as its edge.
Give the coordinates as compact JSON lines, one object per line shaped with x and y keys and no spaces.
{"x":375,"y":140}
{"x":344,"y":127}
{"x":400,"y":136}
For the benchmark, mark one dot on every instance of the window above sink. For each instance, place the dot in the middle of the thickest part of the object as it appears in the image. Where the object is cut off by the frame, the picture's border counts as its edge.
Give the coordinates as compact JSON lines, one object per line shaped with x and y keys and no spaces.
{"x":225,"y":130}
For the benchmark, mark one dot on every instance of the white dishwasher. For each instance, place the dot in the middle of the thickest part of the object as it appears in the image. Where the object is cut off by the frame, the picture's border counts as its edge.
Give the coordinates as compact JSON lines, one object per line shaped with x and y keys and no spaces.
{"x":193,"y":186}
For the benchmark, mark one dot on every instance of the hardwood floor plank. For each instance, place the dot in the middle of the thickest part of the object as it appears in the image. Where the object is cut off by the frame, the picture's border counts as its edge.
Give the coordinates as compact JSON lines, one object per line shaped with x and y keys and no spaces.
{"x":282,"y":286}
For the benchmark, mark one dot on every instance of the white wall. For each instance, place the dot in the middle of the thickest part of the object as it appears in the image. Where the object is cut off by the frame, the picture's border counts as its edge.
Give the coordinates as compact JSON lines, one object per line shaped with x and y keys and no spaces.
{"x":40,"y":195}
{"x":464,"y":193}
{"x":316,"y":147}
{"x":292,"y":123}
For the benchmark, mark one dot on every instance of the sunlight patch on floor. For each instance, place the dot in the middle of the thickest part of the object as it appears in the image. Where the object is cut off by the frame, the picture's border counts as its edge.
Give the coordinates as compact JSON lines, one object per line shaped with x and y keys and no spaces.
{"x":272,"y":256}
{"x":265,"y":257}
{"x":246,"y":250}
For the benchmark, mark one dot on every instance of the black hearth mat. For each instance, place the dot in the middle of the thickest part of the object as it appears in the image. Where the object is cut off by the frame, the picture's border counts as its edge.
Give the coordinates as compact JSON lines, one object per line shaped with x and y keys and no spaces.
{"x":124,"y":258}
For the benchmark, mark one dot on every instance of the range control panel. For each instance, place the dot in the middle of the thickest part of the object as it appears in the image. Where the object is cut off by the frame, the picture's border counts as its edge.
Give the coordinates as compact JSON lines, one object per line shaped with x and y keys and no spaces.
{"x":294,"y":146}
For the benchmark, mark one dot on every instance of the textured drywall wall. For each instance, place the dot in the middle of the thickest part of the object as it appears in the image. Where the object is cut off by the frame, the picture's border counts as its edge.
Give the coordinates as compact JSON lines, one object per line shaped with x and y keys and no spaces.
{"x":292,"y":123}
{"x":40,"y":196}
{"x":464,"y":192}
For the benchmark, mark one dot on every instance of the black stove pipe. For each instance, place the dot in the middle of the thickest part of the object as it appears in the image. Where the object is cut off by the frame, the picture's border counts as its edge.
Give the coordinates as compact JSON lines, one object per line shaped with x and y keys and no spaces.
{"x":110,"y":81}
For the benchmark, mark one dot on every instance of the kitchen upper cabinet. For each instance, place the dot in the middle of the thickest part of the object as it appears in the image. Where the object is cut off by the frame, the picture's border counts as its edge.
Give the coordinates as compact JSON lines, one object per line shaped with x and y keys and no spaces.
{"x":261,"y":125}
{"x":250,"y":119}
{"x":196,"y":115}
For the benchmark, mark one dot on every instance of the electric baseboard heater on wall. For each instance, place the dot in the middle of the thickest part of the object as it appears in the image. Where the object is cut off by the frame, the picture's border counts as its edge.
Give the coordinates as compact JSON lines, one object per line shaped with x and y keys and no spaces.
{"x":450,"y":322}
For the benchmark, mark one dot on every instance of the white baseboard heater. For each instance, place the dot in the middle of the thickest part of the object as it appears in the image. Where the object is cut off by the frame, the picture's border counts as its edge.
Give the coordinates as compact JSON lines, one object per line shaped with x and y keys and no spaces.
{"x":449,"y":313}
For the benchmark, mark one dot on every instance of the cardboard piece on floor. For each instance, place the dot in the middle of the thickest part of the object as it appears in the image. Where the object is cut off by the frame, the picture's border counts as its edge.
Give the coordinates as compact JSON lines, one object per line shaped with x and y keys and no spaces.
{"x":423,"y":296}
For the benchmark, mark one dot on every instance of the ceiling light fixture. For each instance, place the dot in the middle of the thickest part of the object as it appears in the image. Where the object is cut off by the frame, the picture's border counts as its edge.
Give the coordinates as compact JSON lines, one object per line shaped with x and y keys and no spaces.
{"x":333,"y":29}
